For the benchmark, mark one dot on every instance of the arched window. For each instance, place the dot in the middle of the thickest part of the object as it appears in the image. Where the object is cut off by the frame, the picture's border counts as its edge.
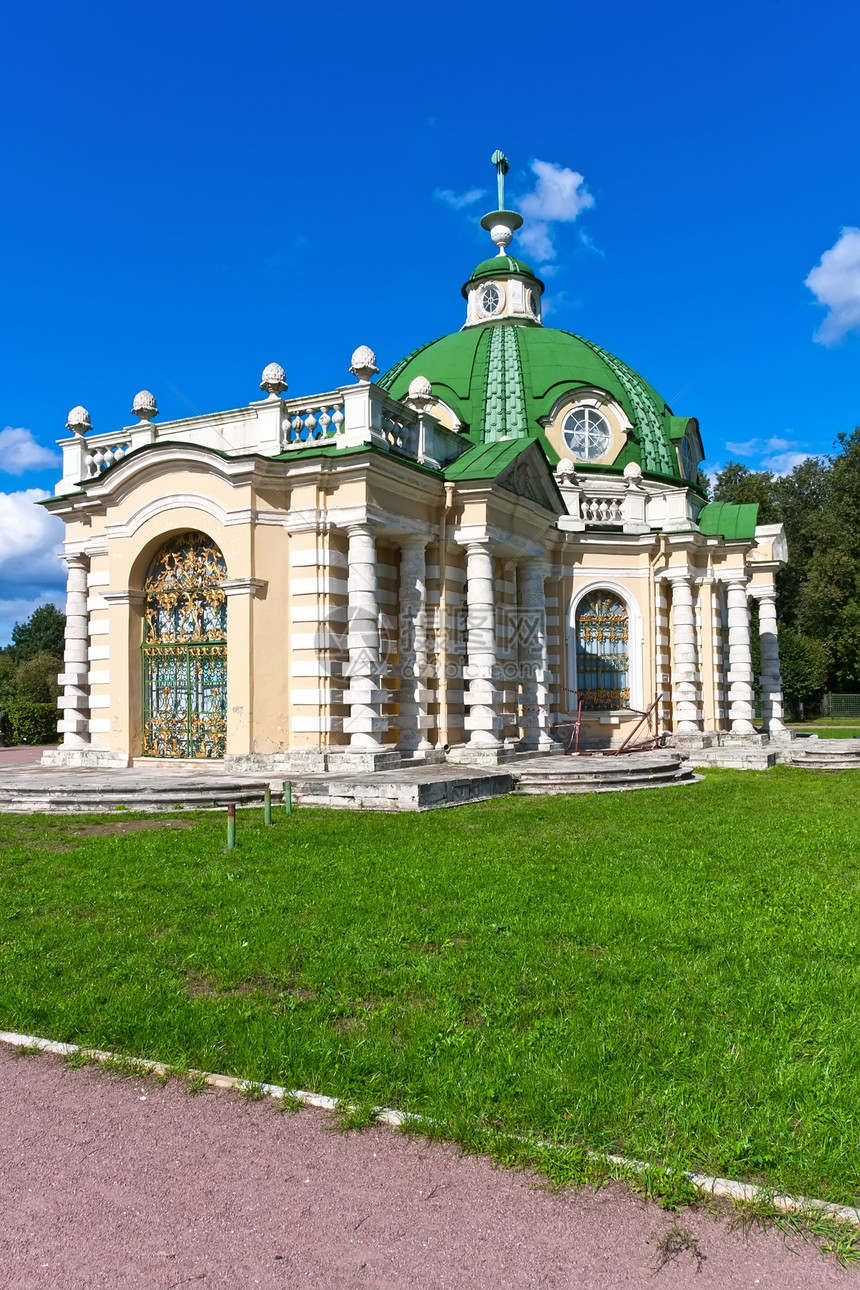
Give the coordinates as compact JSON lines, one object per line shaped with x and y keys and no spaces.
{"x":185,"y":650}
{"x":603,"y":651}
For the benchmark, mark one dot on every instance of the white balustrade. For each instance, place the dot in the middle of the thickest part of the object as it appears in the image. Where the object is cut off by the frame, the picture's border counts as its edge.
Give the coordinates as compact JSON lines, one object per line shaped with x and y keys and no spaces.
{"x":312,"y":421}
{"x":103,"y":453}
{"x":602,"y":510}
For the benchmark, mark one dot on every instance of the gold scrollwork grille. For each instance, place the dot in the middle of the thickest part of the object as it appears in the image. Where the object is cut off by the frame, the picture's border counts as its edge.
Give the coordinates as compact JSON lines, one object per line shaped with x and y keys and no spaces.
{"x":185,"y":650}
{"x":602,"y":656}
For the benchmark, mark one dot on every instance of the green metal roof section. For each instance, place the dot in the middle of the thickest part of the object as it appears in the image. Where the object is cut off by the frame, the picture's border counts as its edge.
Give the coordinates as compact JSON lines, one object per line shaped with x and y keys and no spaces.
{"x":504,"y":397}
{"x":725,"y":519}
{"x":656,"y":452}
{"x":485,"y":460}
{"x":503,"y":379}
{"x":393,"y":372}
{"x":500,"y":266}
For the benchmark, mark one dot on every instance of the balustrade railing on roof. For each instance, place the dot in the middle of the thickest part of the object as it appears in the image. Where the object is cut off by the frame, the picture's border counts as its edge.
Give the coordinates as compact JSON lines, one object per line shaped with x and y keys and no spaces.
{"x":312,"y":420}
{"x":602,"y":509}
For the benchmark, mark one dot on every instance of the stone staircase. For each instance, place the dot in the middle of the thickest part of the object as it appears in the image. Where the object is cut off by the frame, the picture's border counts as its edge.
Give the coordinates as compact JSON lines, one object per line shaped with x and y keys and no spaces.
{"x":598,"y":774}
{"x":825,"y":754}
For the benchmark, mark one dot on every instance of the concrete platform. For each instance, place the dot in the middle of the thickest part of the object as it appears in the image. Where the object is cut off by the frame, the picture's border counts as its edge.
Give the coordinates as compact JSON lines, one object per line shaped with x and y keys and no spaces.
{"x":195,"y":786}
{"x":583,"y":773}
{"x":825,"y":754}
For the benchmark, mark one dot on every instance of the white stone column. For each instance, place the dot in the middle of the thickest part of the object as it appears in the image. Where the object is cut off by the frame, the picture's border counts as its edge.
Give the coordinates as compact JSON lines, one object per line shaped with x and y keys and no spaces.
{"x":685,"y":691}
{"x":482,"y":696}
{"x":531,"y":625}
{"x":771,"y":681}
{"x":75,"y":701}
{"x":740,"y":674}
{"x":413,"y":694}
{"x":364,"y":696}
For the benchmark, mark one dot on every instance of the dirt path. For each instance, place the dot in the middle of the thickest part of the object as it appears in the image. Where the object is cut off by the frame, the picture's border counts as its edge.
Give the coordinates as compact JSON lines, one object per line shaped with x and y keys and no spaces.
{"x":116,"y":1183}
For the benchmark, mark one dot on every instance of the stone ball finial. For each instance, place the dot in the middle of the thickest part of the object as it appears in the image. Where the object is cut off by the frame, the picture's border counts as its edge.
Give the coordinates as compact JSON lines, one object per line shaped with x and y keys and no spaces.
{"x":144,"y":406}
{"x":565,"y":467}
{"x":420,"y":392}
{"x":364,"y":363}
{"x":274,"y":380}
{"x":633,"y":470}
{"x":79,"y":421}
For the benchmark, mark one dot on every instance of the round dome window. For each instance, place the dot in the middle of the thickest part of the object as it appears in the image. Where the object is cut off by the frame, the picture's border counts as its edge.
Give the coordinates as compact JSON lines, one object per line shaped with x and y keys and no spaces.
{"x":586,"y":433}
{"x":491,"y":299}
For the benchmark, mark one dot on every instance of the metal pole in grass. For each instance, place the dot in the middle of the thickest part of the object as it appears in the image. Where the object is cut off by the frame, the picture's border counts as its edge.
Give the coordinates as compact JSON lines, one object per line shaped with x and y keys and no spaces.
{"x":288,"y":796}
{"x":231,"y":827}
{"x":267,"y":805}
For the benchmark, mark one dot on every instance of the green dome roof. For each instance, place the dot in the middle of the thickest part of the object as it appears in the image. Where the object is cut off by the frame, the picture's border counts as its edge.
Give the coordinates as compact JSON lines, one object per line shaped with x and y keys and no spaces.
{"x":500,"y":266}
{"x":499,"y":380}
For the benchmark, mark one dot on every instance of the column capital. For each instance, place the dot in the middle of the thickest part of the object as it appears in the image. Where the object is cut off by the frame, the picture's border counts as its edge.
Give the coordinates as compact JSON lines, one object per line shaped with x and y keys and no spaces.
{"x":413,"y":542}
{"x":762,"y":593}
{"x":75,"y":559}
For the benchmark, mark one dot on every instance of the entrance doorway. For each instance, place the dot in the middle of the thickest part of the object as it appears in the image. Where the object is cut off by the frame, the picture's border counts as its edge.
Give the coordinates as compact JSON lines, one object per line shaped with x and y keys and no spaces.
{"x":185,"y":650}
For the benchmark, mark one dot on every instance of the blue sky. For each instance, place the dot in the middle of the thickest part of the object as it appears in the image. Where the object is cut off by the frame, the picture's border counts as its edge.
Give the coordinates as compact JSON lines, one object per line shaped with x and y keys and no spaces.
{"x":193,"y":191}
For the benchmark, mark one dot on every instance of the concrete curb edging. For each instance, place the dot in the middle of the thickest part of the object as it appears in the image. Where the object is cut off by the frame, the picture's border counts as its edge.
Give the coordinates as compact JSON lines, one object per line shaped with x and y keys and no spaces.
{"x":726,"y":1188}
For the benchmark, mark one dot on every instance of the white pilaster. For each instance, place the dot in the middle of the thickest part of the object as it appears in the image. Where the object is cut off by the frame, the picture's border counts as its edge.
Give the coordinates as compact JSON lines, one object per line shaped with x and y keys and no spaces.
{"x":771,"y":680}
{"x":482,"y":697}
{"x":684,"y":658}
{"x":364,"y":696}
{"x":75,"y":701}
{"x":531,"y":623}
{"x":740,"y":675}
{"x":413,"y":694}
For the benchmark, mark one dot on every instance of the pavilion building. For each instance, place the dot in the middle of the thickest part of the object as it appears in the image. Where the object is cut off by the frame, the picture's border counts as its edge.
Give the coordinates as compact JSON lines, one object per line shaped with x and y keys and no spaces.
{"x":439,"y":563}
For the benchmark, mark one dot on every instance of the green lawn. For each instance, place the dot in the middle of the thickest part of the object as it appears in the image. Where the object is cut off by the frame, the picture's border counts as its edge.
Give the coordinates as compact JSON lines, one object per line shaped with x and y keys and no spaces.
{"x":831,"y":732}
{"x":671,"y":974}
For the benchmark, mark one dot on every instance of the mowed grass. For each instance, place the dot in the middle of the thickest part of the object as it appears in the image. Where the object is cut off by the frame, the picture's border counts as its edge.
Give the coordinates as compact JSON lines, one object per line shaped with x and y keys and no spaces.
{"x":671,"y":974}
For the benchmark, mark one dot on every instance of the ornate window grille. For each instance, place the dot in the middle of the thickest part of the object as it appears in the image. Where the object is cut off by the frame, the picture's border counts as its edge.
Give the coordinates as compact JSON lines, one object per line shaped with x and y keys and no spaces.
{"x":185,"y":650}
{"x":602,"y":651}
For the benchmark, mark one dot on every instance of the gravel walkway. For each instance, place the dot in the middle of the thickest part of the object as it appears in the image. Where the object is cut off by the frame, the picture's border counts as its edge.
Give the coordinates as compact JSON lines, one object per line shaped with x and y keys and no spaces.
{"x":115,"y":1183}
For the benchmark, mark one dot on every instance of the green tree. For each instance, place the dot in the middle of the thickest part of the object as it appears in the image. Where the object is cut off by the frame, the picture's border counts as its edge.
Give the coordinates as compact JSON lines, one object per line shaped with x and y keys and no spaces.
{"x":738,"y":484}
{"x":42,"y":633}
{"x":37,"y":679}
{"x":804,"y":665}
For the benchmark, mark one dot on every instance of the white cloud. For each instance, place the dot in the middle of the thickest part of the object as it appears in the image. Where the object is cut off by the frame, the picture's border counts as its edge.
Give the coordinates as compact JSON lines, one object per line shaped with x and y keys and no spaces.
{"x":458,"y":201}
{"x":745,"y":449}
{"x":30,"y":542}
{"x":776,"y":454}
{"x":835,"y":283}
{"x":558,"y":197}
{"x":536,"y":240}
{"x":783,"y":463}
{"x":19,"y":452}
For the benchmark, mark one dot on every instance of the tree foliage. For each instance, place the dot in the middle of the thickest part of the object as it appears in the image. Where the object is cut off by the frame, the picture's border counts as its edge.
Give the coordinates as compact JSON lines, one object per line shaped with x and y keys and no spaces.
{"x":42,"y":633}
{"x":819,"y":590}
{"x":28,"y":678}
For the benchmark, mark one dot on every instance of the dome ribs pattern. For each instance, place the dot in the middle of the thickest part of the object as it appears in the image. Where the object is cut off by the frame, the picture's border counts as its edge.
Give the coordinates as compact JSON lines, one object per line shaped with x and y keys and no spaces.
{"x":504,"y":380}
{"x":388,"y":378}
{"x":504,"y":397}
{"x":656,"y":455}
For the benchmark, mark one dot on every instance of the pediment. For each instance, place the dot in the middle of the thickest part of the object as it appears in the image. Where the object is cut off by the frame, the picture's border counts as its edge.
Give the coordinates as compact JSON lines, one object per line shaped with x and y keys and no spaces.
{"x":529,"y":476}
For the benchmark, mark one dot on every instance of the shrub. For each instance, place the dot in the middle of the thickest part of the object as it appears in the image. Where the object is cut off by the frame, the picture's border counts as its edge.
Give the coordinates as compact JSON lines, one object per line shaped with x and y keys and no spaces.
{"x":29,"y":723}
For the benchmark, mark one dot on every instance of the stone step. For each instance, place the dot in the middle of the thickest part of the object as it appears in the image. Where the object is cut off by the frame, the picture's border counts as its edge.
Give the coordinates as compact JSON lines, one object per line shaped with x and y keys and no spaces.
{"x":811,"y":762}
{"x":199,"y":796}
{"x":602,"y":774}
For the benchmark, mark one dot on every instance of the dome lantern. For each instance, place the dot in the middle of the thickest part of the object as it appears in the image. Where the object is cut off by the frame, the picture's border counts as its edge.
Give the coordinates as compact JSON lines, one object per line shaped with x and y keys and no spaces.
{"x":502,"y":288}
